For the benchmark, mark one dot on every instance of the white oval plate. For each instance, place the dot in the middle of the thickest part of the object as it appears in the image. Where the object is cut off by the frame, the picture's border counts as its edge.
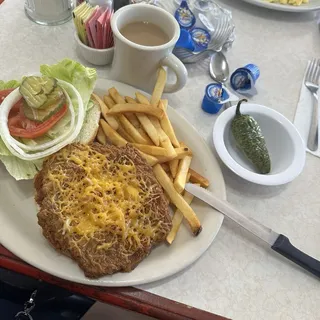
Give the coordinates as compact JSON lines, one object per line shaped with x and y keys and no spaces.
{"x":311,"y":6}
{"x":20,"y":233}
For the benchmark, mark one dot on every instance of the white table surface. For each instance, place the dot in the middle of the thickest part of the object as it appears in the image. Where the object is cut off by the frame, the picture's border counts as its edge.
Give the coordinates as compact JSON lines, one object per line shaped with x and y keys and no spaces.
{"x":238,"y":277}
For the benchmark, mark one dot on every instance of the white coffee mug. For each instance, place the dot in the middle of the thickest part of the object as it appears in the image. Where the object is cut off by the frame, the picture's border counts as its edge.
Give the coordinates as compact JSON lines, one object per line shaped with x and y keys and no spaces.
{"x":136,"y":64}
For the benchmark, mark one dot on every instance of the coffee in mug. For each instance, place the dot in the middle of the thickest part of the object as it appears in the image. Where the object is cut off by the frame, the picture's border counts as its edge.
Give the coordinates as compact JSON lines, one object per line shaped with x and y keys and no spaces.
{"x":144,"y":37}
{"x":145,"y":33}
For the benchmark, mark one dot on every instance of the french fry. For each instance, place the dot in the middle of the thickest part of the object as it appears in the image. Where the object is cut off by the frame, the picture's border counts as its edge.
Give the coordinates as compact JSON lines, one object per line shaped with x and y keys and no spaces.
{"x":150,"y":159}
{"x":166,"y":143}
{"x":149,"y":129}
{"x":158,"y":89}
{"x":108,"y":101}
{"x":167,"y":127}
{"x":181,"y":177}
{"x":195,"y":177}
{"x":140,"y":129}
{"x":101,"y":137}
{"x":129,"y":99}
{"x":164,"y":140}
{"x":145,"y":136}
{"x":178,"y":218}
{"x":180,"y":154}
{"x":173,"y":165}
{"x":167,"y":160}
{"x":137,"y":108}
{"x":133,"y":119}
{"x":118,"y":99}
{"x":127,"y":125}
{"x":119,"y":141}
{"x":177,"y":199}
{"x":146,"y":124}
{"x":157,"y":125}
{"x":165,"y":167}
{"x":112,"y":135}
{"x":152,"y":150}
{"x":166,"y":195}
{"x":170,"y":177}
{"x":115,"y":95}
{"x":165,"y":104}
{"x":123,"y":133}
{"x":113,"y":122}
{"x":142,"y":98}
{"x":132,"y":131}
{"x":121,"y":138}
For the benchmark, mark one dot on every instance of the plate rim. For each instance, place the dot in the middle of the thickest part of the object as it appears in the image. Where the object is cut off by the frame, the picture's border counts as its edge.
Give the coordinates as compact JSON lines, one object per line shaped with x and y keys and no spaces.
{"x":283,"y":8}
{"x":118,"y":283}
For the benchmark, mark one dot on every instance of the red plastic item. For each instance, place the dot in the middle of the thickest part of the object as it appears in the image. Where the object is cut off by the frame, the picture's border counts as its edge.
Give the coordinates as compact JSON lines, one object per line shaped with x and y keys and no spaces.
{"x":127,"y":297}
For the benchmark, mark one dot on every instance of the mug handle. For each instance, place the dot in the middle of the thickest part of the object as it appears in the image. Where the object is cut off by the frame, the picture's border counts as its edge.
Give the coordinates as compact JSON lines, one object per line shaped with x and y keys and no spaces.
{"x":179,"y":69}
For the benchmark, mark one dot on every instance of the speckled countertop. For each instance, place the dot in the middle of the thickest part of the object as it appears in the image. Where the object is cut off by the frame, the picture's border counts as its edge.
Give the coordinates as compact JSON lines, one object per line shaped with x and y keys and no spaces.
{"x":238,"y":277}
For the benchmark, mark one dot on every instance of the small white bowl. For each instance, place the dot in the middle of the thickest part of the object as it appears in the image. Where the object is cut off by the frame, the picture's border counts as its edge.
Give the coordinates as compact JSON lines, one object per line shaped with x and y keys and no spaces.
{"x":284,"y":143}
{"x":98,"y":57}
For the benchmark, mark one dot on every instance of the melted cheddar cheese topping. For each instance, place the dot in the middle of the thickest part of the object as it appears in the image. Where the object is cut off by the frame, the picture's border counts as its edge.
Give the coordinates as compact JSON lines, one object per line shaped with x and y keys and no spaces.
{"x":101,"y":196}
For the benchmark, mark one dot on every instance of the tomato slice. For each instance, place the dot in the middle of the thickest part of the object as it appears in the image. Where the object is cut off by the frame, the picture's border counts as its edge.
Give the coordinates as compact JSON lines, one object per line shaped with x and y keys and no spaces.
{"x":20,"y":126}
{"x":4,"y":93}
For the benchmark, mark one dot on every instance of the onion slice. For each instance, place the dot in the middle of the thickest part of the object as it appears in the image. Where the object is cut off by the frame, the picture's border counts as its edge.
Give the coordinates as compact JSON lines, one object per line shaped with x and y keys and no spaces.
{"x":11,"y":143}
{"x":52,"y":143}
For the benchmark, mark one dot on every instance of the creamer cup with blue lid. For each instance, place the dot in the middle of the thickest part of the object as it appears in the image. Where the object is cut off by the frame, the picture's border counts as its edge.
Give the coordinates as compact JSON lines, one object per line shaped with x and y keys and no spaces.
{"x":185,"y":40}
{"x":216,"y":95}
{"x":243,"y":80}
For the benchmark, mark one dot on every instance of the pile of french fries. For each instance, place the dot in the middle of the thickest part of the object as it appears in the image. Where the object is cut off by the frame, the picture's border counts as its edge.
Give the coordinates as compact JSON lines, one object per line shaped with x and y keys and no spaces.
{"x":145,"y":124}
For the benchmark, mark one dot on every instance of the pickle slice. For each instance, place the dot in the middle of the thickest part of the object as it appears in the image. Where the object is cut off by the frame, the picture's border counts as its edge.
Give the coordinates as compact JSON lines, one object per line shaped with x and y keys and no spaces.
{"x":35,"y":90}
{"x":56,"y":95}
{"x":43,"y":114}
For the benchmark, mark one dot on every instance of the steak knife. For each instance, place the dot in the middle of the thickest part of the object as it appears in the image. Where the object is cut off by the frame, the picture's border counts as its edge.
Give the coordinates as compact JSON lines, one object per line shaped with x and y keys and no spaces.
{"x":278,"y":242}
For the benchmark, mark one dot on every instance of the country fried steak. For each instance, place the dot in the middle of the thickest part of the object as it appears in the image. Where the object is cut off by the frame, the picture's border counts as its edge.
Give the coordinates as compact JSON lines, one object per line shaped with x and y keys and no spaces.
{"x":102,"y":206}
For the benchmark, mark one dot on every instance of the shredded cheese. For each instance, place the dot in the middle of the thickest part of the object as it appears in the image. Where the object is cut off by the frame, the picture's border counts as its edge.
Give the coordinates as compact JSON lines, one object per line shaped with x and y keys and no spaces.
{"x":290,"y":2}
{"x":102,"y":196}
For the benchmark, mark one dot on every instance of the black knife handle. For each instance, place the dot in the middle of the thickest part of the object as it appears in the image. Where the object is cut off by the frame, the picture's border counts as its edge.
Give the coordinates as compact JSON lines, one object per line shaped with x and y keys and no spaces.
{"x":283,"y":246}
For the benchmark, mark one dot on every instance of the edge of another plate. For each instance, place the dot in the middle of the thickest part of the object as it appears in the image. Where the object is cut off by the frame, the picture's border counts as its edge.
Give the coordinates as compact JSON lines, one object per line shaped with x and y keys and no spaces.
{"x":282,"y":7}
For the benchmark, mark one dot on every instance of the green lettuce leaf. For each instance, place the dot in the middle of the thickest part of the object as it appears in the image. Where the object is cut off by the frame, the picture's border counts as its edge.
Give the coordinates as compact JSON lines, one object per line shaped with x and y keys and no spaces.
{"x":9,"y":85}
{"x":3,"y":86}
{"x":81,"y":77}
{"x":64,"y":123}
{"x":4,"y":151}
{"x":90,"y":105}
{"x":21,"y":169}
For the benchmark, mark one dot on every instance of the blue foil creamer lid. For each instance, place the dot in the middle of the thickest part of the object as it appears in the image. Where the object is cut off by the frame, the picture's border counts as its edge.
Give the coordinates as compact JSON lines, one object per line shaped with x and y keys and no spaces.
{"x":243,"y":80}
{"x":185,"y":16}
{"x":201,"y":38}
